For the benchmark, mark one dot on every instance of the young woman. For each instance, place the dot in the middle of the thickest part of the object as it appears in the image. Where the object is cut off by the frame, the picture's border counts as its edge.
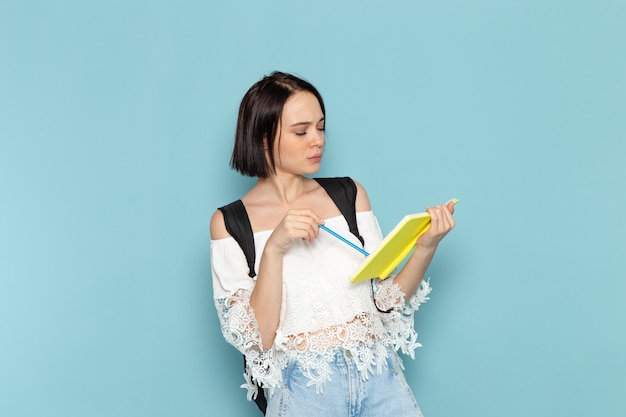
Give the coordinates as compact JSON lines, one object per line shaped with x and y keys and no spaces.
{"x":316,"y":344}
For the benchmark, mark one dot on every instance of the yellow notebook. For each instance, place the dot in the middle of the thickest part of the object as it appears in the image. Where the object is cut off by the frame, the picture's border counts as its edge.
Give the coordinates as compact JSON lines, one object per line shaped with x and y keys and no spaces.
{"x":394,"y":248}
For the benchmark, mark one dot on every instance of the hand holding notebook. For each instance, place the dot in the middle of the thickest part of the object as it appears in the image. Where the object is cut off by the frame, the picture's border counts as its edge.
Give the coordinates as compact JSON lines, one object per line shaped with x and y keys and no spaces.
{"x":395,"y":247}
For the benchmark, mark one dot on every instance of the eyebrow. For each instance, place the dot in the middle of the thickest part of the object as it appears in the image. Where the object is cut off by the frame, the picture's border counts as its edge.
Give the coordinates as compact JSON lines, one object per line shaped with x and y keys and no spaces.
{"x":307,"y":123}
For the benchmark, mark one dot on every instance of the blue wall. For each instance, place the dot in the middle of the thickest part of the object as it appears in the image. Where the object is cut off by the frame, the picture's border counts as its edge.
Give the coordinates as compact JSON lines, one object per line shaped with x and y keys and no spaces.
{"x":116,"y":123}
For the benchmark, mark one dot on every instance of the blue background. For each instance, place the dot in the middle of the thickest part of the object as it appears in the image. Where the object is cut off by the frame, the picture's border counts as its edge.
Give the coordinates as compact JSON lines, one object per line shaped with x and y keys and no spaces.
{"x":116,"y":125}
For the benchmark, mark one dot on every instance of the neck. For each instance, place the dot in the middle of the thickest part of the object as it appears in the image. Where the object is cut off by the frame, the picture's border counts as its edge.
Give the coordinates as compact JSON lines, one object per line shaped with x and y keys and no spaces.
{"x":284,"y":188}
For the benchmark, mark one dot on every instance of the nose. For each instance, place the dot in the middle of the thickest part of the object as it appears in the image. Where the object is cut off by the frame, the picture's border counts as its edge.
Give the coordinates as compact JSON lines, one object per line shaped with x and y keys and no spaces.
{"x":318,"y":139}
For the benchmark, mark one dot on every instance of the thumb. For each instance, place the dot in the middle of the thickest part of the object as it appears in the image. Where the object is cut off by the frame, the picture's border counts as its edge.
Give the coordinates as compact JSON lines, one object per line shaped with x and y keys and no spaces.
{"x":450,"y":205}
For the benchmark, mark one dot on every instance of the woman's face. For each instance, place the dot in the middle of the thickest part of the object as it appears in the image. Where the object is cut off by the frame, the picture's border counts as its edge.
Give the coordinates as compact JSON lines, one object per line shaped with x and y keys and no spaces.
{"x":300,"y":140}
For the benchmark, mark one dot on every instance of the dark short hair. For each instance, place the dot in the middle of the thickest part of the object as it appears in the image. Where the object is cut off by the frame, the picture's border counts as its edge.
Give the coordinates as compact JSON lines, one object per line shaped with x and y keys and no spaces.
{"x":259,"y":114}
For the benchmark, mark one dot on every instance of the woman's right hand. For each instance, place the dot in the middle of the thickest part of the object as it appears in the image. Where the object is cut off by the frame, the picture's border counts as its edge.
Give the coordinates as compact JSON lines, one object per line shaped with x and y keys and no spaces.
{"x":297,"y":224}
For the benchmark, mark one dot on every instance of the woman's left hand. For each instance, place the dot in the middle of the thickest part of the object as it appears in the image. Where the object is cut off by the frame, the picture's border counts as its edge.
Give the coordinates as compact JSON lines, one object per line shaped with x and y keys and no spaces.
{"x":441,"y":222}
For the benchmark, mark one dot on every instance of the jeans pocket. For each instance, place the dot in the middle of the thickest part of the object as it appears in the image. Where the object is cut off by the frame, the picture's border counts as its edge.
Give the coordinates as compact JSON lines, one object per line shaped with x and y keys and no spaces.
{"x":397,"y":370}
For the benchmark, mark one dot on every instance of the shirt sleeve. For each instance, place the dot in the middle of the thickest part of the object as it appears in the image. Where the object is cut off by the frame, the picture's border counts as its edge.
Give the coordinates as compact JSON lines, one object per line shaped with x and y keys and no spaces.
{"x":399,"y":319}
{"x":232,"y":288}
{"x":399,"y":316}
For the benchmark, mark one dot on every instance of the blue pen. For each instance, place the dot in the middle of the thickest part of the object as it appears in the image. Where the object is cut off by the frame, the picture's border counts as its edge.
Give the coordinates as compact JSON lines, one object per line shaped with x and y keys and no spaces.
{"x":343,"y":239}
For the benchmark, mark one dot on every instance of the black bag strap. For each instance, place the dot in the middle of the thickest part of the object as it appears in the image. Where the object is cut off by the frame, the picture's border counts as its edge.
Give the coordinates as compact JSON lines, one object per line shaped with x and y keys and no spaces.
{"x":342,"y":190}
{"x":238,"y":225}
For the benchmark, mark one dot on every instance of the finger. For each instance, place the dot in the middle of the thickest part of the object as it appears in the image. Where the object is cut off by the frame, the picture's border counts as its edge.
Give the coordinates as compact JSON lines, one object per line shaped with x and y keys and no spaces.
{"x":306,"y":212}
{"x":297,"y":233}
{"x":450,"y":217}
{"x":434,"y":220}
{"x":306,"y":227}
{"x":437,"y":219}
{"x":313,"y":220}
{"x":441,"y":219}
{"x":310,"y":230}
{"x":302,"y":229}
{"x":446,"y":219}
{"x":444,"y":211}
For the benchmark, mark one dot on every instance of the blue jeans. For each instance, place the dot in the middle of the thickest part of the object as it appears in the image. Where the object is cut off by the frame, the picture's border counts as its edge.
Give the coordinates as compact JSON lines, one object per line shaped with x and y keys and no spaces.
{"x":346,"y":394}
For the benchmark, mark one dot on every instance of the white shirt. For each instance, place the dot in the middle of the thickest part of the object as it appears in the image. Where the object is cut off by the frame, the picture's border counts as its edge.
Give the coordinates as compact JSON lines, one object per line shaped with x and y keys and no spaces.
{"x":321,"y":310}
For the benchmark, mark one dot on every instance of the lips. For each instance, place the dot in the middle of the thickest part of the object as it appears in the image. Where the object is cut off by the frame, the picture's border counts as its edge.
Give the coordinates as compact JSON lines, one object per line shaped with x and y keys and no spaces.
{"x":315,"y":158}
